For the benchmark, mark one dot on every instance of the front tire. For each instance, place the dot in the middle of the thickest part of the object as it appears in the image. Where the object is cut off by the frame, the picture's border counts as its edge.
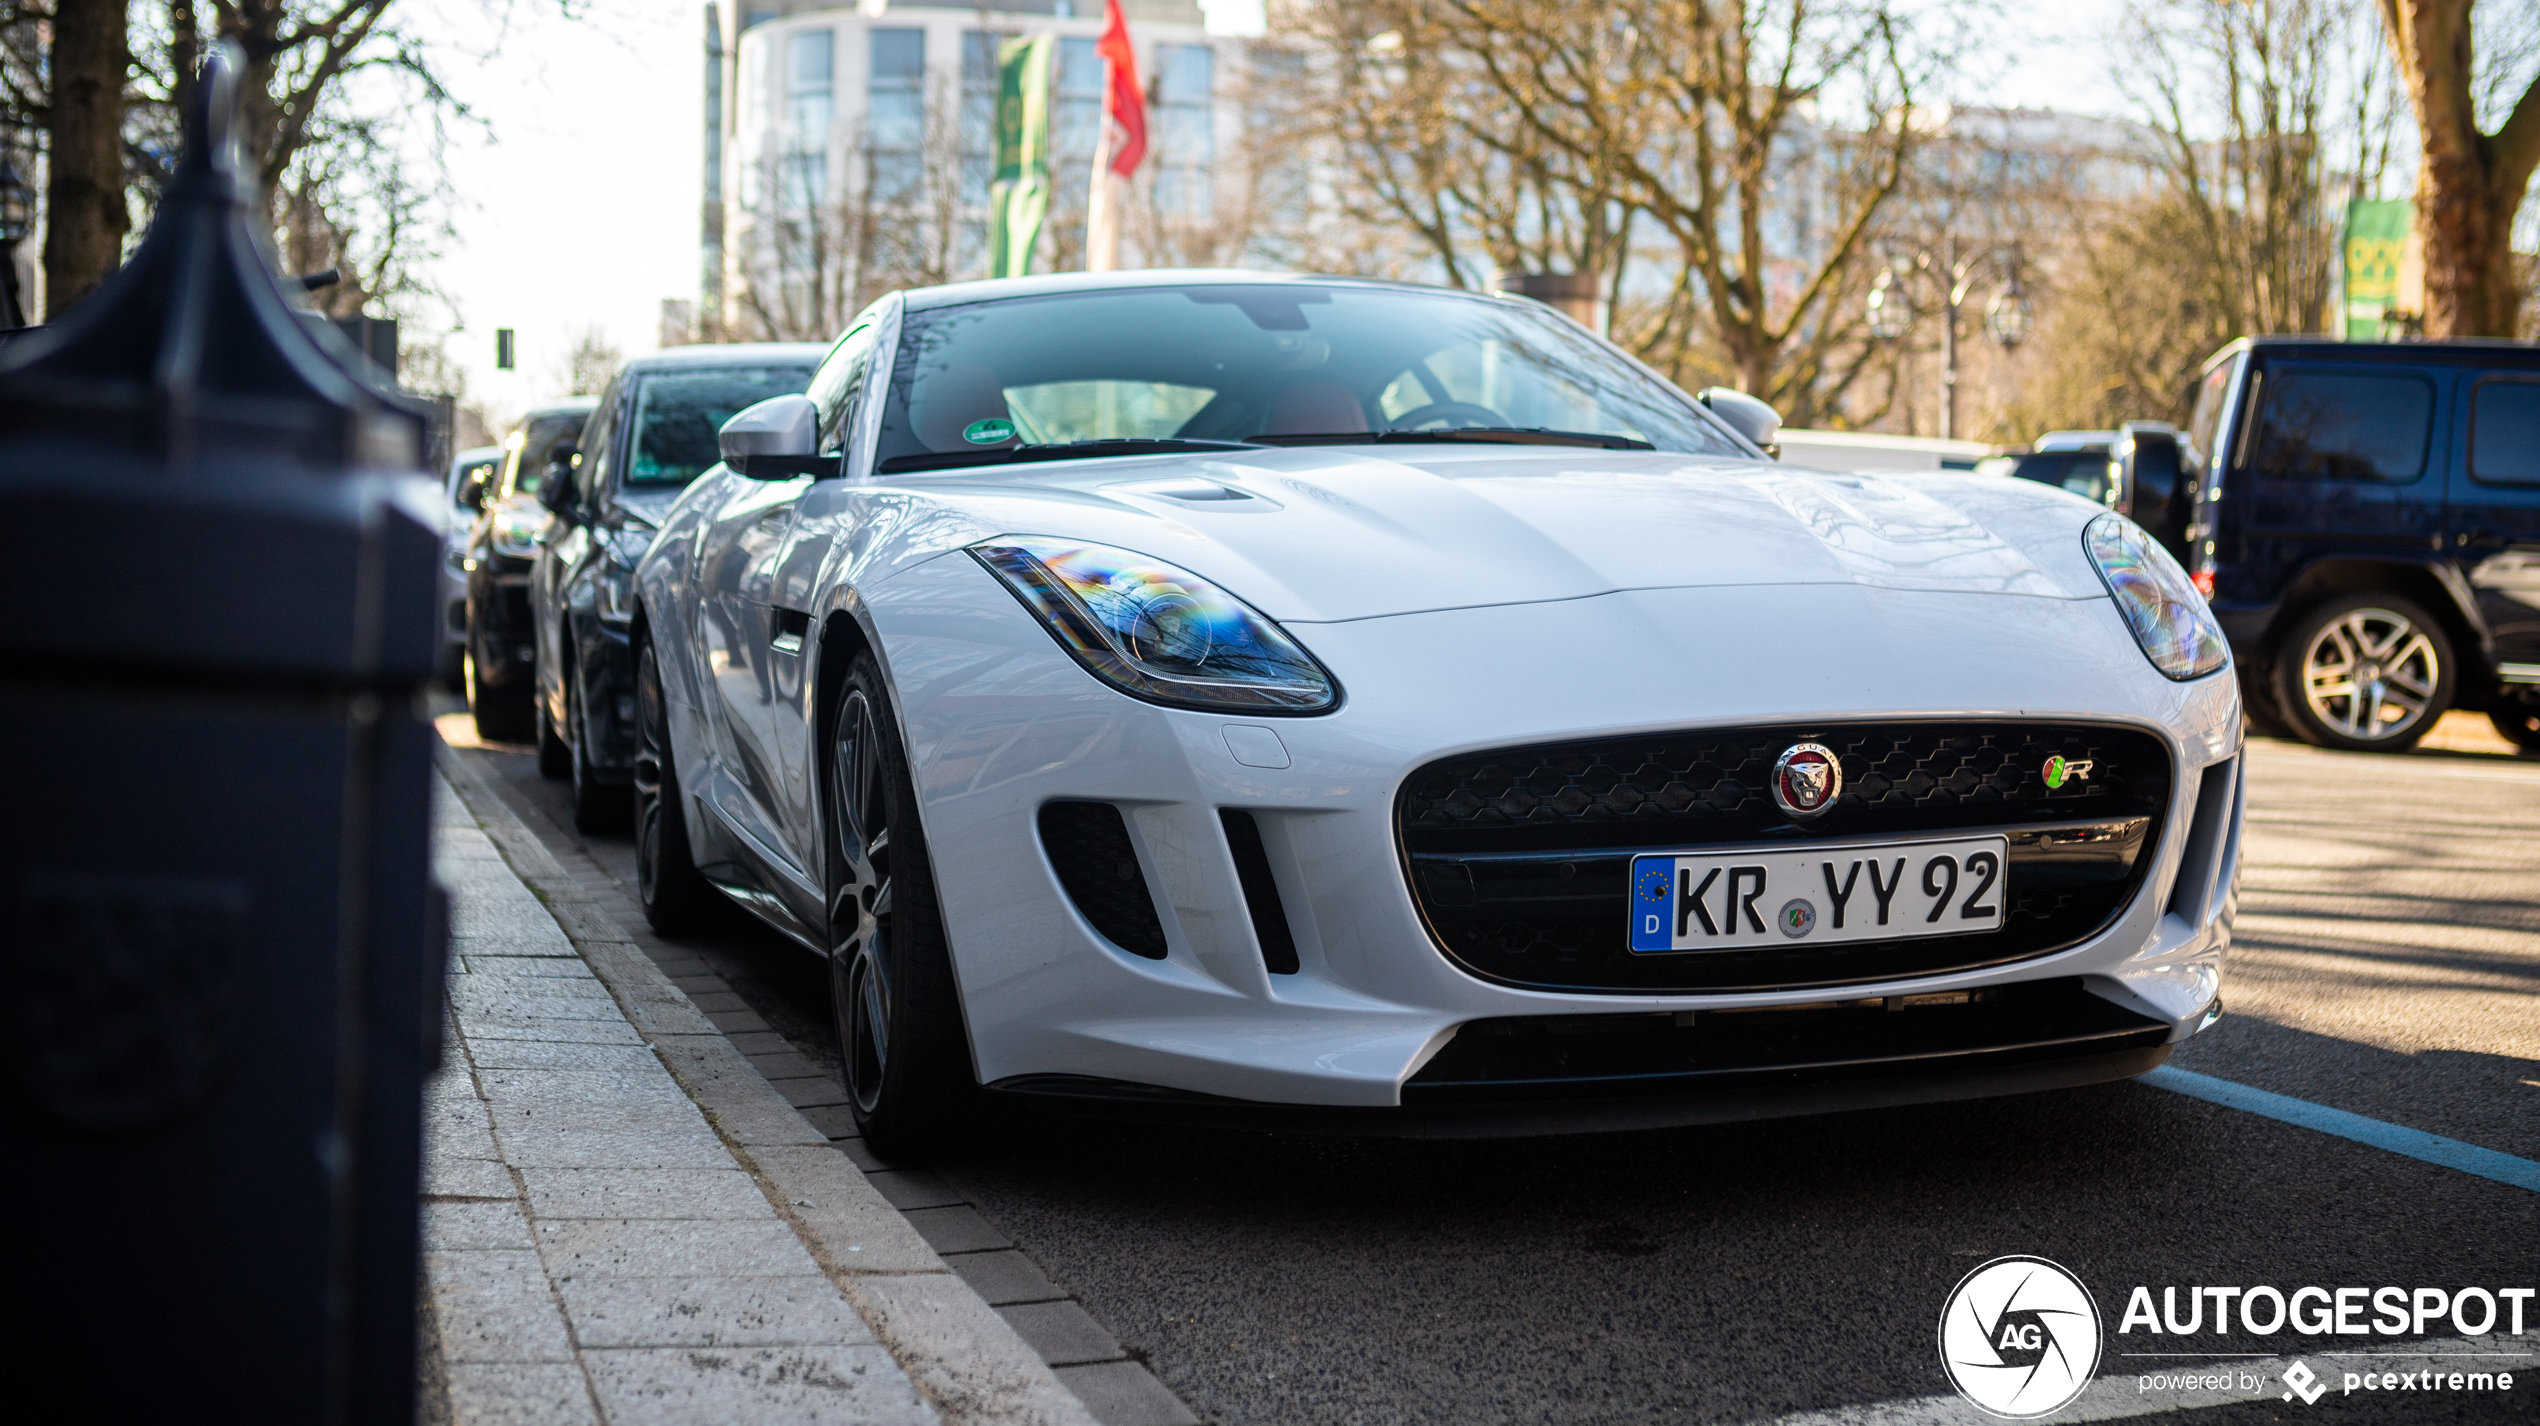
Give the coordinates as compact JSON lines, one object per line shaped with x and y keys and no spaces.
{"x":892,"y":993}
{"x":555,"y":760}
{"x":675,"y":896}
{"x":599,"y":807}
{"x":501,"y":716}
{"x":2364,"y":673}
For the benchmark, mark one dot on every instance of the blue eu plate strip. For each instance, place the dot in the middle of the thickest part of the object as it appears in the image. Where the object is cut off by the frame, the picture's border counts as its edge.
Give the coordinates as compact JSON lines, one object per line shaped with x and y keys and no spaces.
{"x":1653,"y":903}
{"x":2412,"y":1143}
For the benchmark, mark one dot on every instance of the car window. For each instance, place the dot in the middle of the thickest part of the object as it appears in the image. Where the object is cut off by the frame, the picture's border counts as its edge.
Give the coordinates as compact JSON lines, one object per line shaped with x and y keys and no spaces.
{"x":2207,"y":421}
{"x":2084,"y":473}
{"x":2504,"y":433}
{"x":837,"y":389}
{"x":1263,"y":361}
{"x":671,"y":431}
{"x":528,"y":461}
{"x":2326,"y":425}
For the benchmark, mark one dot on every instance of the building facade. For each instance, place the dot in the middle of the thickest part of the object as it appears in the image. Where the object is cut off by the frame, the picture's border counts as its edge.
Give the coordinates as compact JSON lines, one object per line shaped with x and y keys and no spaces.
{"x":849,"y":149}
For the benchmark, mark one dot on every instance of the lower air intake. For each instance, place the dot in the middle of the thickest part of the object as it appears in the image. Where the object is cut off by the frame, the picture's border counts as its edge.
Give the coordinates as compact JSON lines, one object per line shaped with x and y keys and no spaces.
{"x":1088,"y":846}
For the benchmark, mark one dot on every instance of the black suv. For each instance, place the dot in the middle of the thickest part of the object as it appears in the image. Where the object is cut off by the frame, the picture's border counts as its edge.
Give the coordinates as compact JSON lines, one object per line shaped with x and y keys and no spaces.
{"x":2367,"y":524}
{"x":652,"y":433}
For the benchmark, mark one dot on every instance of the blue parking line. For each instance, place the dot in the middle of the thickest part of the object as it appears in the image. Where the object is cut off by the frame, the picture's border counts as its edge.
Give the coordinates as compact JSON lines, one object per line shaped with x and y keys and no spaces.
{"x":2413,"y":1143}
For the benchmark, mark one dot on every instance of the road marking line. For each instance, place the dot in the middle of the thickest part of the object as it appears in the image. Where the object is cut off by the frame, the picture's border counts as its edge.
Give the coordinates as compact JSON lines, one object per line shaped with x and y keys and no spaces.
{"x":2118,"y":1395}
{"x":2413,"y":1143}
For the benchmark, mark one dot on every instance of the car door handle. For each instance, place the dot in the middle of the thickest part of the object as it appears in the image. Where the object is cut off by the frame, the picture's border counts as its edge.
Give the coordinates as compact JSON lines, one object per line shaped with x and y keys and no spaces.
{"x":791,"y":626}
{"x":2479,"y":540}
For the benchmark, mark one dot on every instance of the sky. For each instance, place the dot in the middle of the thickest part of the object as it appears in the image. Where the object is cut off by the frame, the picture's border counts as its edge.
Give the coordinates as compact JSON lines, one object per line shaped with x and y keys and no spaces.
{"x":579,"y":191}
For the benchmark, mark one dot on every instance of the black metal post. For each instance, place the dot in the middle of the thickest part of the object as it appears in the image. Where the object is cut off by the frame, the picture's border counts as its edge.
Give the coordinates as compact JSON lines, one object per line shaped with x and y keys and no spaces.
{"x":223,"y":947}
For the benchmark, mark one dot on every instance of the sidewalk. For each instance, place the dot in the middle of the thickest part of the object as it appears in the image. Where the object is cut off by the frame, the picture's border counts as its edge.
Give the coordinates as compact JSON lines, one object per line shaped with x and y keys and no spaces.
{"x":624,"y":1222}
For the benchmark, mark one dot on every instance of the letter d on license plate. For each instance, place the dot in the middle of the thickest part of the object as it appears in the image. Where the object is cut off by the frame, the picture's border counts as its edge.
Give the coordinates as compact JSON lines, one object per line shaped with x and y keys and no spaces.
{"x":1718,"y":901}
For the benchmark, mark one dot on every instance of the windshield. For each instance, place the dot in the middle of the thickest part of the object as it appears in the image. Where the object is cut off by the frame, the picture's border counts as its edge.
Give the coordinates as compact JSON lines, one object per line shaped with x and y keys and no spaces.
{"x":1262,"y":363}
{"x":678,"y":413}
{"x":2084,"y":473}
{"x":538,"y":443}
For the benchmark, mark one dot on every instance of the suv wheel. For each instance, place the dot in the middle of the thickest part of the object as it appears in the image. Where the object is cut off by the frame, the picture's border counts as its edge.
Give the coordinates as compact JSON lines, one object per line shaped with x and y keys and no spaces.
{"x":2364,"y":672}
{"x":892,"y":992}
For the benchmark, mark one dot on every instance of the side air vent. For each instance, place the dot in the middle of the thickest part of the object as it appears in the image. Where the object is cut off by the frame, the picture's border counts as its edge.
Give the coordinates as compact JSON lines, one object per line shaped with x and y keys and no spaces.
{"x":2201,"y":858}
{"x":1088,"y":845}
{"x":1261,"y":891}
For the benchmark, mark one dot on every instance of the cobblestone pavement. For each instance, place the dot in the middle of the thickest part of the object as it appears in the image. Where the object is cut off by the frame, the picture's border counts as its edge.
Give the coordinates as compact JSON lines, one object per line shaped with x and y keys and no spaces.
{"x":625,"y":1222}
{"x":2388,"y":966}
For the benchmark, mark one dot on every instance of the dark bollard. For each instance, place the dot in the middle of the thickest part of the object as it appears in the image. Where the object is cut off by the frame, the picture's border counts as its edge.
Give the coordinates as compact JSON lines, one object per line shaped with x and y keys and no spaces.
{"x":223,"y":949}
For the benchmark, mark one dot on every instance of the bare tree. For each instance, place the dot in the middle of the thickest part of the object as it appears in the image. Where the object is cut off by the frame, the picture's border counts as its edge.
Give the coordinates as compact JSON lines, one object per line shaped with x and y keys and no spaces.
{"x":589,"y":362}
{"x":2470,"y":181}
{"x":1691,"y":138}
{"x":85,"y":216}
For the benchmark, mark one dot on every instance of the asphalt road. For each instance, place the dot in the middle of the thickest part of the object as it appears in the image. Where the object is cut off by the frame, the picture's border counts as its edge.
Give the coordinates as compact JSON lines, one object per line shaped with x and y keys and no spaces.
{"x":2387,"y":964}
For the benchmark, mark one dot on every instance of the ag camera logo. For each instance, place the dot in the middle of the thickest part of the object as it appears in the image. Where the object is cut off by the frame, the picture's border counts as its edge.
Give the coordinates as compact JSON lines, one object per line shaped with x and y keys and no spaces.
{"x":2019,"y":1337}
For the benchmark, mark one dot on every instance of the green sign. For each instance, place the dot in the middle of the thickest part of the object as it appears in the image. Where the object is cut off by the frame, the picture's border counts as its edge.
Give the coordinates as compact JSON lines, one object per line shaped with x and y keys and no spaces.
{"x":1021,"y":194}
{"x":2376,"y":236}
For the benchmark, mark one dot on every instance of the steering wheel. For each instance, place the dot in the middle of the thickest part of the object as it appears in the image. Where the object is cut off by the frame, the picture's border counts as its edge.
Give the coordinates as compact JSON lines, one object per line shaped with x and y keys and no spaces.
{"x":1455,"y":413}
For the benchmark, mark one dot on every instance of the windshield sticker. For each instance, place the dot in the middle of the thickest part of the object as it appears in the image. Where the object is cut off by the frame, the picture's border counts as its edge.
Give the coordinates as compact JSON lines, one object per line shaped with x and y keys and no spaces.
{"x":988,"y":432}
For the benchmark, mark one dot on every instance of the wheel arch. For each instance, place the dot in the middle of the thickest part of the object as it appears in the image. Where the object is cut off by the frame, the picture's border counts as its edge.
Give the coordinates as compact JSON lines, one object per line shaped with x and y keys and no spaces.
{"x":2447,"y":599}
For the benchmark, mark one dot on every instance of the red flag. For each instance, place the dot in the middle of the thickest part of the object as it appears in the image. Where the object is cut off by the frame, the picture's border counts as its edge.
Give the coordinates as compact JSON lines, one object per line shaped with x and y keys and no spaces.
{"x":1126,"y":104}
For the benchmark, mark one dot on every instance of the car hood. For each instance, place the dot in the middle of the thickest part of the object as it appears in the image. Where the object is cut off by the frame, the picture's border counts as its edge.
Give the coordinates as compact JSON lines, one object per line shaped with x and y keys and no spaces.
{"x":1330,"y":534}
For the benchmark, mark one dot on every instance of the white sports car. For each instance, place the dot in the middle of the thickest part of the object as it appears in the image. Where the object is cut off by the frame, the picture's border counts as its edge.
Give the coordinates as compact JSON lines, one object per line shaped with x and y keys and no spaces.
{"x":1370,"y":707}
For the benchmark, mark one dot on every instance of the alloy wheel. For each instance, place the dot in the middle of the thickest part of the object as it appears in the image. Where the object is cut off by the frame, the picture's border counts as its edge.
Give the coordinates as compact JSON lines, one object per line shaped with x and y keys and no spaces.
{"x":860,"y":901}
{"x":2371,"y":674}
{"x":652,"y":739}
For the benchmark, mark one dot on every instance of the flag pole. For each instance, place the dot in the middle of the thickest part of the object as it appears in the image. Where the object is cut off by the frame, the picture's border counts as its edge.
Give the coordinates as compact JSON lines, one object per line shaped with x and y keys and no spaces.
{"x":1122,"y":144}
{"x":1102,"y":224}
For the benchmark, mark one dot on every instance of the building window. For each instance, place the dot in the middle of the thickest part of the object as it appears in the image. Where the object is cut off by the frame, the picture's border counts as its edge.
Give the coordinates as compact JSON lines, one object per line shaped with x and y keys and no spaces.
{"x":808,"y":109}
{"x":1076,"y":125}
{"x":1186,"y":130}
{"x":978,"y":114}
{"x":895,"y":114}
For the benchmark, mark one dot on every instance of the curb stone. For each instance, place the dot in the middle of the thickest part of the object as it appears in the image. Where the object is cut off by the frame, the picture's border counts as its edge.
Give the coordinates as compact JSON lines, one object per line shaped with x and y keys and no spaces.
{"x":966,"y":1359}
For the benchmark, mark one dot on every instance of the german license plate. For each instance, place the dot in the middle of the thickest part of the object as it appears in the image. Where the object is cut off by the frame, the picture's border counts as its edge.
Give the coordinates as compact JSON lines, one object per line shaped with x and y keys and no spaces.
{"x":1719,"y":901}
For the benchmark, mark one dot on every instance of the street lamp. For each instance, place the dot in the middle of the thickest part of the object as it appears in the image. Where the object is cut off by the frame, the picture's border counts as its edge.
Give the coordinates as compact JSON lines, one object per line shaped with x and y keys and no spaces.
{"x":2008,"y":318}
{"x":17,"y":218}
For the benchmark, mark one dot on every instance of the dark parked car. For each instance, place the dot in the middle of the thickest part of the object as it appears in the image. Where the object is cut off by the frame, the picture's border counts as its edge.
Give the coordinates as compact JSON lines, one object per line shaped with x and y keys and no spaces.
{"x":501,"y":643}
{"x":470,"y":478}
{"x":2370,"y":533}
{"x":654,"y":430}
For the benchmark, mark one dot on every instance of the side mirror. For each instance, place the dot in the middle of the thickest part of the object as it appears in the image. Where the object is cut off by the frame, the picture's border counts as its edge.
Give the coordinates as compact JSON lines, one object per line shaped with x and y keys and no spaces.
{"x":774,"y":440}
{"x":1759,"y":423}
{"x":556,"y":488}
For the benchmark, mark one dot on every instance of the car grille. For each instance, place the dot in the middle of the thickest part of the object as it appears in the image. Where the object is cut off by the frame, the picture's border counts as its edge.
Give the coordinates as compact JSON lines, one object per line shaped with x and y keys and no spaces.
{"x":1519,"y":857}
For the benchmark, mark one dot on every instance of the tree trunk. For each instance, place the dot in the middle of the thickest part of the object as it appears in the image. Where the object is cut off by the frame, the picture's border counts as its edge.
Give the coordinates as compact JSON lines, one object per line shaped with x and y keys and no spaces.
{"x":85,"y":218}
{"x":2468,"y":183}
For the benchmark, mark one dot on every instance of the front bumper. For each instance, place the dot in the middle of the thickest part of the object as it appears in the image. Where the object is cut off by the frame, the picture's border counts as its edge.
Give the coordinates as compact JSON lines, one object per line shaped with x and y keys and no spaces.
{"x":1000,"y":722}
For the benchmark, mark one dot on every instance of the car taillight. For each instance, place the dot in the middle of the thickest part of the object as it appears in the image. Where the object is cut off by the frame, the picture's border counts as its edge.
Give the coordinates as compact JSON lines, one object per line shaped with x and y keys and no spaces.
{"x":2203,"y":579}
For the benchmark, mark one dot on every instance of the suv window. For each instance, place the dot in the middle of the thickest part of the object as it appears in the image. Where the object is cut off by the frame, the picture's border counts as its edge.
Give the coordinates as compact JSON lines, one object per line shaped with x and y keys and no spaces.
{"x":2324,"y":425}
{"x":2504,"y":433}
{"x":2209,"y":409}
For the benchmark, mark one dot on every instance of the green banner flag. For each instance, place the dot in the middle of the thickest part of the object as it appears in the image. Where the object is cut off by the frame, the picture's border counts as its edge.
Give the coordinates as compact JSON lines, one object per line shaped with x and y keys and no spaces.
{"x":1021,"y":194}
{"x":2376,"y":239}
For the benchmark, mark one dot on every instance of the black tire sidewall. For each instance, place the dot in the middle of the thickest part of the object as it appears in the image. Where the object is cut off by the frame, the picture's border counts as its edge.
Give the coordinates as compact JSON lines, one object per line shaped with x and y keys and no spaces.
{"x":675,"y":895}
{"x":929,"y":1086}
{"x":2293,"y":648}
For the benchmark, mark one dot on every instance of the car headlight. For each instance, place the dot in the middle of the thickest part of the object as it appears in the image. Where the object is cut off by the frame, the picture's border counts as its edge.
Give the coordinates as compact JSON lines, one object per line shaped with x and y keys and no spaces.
{"x":2159,"y":602}
{"x":518,"y":533}
{"x":1157,"y":632}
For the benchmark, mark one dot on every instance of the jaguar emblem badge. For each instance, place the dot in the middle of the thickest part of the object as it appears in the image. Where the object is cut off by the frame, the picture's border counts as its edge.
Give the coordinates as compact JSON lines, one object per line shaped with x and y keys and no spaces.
{"x":1807,"y":780}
